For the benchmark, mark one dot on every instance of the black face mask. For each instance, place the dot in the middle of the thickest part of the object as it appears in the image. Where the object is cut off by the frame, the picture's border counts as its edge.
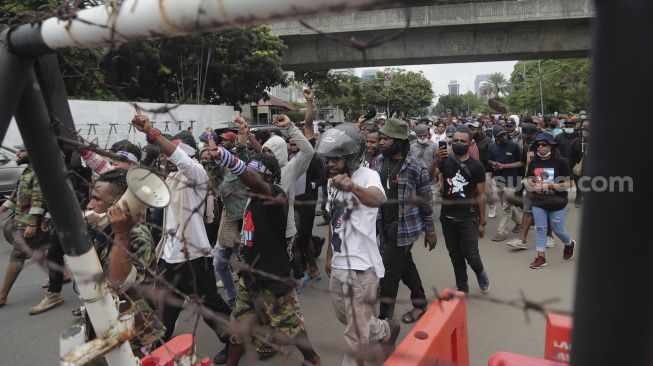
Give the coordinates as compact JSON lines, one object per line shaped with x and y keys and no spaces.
{"x":390,"y":152}
{"x":22,"y":161}
{"x":460,"y":149}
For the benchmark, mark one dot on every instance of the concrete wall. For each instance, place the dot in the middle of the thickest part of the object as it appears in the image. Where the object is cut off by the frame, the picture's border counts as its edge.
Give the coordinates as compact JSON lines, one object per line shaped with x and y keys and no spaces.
{"x":487,"y":31}
{"x":85,"y":113}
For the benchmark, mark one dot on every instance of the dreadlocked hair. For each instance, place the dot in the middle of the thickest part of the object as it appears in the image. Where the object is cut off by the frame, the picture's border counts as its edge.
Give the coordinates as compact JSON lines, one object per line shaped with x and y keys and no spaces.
{"x":271,"y":163}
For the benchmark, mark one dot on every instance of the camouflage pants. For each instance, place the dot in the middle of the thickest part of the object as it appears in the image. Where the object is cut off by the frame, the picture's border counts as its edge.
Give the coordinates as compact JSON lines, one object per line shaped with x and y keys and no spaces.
{"x":280,"y":311}
{"x":23,"y":248}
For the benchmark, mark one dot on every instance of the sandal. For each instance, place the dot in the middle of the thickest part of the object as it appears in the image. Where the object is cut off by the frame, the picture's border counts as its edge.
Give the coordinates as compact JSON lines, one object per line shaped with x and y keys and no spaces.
{"x":409,"y":316}
{"x":265,"y":351}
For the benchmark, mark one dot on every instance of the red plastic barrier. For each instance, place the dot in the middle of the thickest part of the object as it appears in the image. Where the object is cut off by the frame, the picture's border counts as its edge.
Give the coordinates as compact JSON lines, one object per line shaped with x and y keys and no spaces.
{"x":513,"y":359}
{"x":557,"y":345}
{"x":438,"y":338}
{"x":166,"y":355}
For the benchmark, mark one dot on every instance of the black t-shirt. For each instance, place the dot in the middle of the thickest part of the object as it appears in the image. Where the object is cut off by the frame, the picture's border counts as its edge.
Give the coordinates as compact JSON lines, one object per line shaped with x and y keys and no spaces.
{"x":459,"y":185}
{"x":390,"y":211}
{"x":265,"y":245}
{"x":505,"y":154}
{"x":549,"y":171}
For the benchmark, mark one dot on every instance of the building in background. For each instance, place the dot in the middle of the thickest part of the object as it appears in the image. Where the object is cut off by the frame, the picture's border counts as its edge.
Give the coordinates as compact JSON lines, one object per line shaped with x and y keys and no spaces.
{"x":454,"y":87}
{"x":479,"y":81}
{"x":370,"y":74}
{"x":351,"y":72}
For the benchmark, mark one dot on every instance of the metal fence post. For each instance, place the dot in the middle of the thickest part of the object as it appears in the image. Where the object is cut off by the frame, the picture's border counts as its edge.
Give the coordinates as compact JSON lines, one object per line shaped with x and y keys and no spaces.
{"x":45,"y":156}
{"x":613,"y":321}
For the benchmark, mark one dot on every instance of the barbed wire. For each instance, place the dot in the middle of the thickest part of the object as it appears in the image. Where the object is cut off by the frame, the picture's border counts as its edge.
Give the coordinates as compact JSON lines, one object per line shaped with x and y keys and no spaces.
{"x":159,"y":293}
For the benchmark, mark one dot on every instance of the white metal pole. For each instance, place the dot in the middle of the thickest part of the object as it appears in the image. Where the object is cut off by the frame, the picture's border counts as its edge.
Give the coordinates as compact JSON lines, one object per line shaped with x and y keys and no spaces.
{"x":135,"y":20}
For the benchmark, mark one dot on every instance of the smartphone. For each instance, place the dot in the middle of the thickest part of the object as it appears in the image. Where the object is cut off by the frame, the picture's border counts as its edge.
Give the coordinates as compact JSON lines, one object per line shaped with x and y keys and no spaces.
{"x":442,"y":144}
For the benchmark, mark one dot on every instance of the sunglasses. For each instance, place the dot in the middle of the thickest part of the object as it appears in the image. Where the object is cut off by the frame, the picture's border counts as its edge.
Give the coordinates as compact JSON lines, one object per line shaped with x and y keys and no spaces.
{"x":542,"y":144}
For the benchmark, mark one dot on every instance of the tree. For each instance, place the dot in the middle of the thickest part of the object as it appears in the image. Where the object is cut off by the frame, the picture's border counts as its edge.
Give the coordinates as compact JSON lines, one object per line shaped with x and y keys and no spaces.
{"x":496,"y":85}
{"x":409,"y":93}
{"x":233,"y":67}
{"x":472,"y":104}
{"x":565,"y":86}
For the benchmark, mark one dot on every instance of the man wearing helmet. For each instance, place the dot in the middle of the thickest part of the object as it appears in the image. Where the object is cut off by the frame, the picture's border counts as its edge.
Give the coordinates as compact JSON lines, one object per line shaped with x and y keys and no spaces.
{"x":354,"y":262}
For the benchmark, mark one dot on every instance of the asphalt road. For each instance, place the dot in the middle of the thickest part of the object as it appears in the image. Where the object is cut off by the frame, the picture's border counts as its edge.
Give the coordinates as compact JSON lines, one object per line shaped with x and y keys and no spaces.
{"x":34,"y":340}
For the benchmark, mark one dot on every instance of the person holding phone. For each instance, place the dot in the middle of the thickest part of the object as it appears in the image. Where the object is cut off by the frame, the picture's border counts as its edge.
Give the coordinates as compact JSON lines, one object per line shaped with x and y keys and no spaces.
{"x":463,"y":210}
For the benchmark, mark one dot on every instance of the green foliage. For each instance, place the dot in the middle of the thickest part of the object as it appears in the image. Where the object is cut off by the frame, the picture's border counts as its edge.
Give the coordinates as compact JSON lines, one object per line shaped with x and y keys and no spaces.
{"x":497,"y":85}
{"x":461,"y":105}
{"x":565,"y":86}
{"x":233,"y":67}
{"x":409,"y":94}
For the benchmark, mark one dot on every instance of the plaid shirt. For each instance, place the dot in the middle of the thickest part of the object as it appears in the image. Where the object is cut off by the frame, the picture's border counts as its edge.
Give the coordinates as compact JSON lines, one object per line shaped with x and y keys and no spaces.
{"x":413,"y":182}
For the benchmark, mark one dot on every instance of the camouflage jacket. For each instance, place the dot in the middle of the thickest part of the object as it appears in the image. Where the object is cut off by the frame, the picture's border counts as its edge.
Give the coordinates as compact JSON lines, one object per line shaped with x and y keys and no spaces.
{"x":27,"y":199}
{"x":141,"y":248}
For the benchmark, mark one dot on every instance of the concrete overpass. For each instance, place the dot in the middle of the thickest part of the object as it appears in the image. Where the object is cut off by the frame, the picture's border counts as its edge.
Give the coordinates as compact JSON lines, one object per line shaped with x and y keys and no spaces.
{"x":459,"y":32}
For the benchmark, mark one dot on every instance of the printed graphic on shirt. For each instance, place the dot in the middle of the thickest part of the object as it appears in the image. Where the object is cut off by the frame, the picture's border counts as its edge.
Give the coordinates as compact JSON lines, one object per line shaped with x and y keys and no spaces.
{"x":457,"y":185}
{"x":337,"y":212}
{"x":545,"y":175}
{"x":248,"y":229}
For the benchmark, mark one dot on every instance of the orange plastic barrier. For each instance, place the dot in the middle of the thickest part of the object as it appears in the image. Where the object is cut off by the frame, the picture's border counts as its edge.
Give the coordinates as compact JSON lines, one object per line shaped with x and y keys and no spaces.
{"x":557,"y":345}
{"x":175,"y":348}
{"x":513,"y":359}
{"x":438,"y":338}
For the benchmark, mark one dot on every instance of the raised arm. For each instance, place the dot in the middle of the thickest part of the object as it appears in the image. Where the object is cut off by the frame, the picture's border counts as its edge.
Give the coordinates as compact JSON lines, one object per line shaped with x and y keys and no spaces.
{"x":309,"y":130}
{"x":299,"y":164}
{"x":250,"y":178}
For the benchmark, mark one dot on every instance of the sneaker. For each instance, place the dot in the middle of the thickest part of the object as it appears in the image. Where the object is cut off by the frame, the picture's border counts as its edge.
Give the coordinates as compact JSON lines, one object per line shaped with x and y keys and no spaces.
{"x":492,"y":212}
{"x":499,"y":237}
{"x":538,"y":263}
{"x":221,"y":357}
{"x":51,"y":300}
{"x":550,"y":243}
{"x":517,"y":243}
{"x":483,"y":282}
{"x":568,"y":253}
{"x":517,"y":229}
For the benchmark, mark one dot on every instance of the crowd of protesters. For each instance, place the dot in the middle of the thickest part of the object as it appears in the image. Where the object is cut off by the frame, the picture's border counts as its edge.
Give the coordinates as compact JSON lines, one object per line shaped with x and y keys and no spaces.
{"x":242,"y":211}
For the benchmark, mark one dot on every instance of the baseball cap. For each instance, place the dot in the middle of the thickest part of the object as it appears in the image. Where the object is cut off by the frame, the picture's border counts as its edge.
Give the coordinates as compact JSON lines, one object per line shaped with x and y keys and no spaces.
{"x":475,"y":124}
{"x":421,"y":130}
{"x":450,"y":130}
{"x":510,"y":122}
{"x":229,"y":136}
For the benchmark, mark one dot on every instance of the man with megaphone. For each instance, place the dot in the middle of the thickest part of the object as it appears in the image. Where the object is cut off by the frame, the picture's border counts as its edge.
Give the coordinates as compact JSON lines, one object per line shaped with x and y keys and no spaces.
{"x":184,"y":251}
{"x":126,"y":252}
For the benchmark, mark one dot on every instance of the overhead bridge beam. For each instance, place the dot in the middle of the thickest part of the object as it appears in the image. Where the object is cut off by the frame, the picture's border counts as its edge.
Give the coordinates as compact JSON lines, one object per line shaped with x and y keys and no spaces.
{"x":471,"y":43}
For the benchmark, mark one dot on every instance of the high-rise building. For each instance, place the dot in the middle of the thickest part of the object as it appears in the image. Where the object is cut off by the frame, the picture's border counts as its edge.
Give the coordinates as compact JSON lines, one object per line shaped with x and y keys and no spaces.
{"x":454,"y":87}
{"x":289,"y":93}
{"x":479,"y":80}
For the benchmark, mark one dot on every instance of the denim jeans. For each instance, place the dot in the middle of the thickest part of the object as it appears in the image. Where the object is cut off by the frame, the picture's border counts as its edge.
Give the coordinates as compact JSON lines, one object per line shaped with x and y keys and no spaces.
{"x":557,"y":219}
{"x":221,"y":266}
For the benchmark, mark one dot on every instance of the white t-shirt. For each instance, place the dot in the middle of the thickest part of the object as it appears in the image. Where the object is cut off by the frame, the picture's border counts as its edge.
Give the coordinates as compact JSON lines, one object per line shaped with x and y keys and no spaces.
{"x":354,"y":226}
{"x":193,"y":182}
{"x":437,"y":138}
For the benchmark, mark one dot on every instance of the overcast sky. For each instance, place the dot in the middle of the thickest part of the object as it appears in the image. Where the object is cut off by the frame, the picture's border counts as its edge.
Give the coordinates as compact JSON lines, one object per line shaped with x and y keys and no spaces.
{"x":440,"y":75}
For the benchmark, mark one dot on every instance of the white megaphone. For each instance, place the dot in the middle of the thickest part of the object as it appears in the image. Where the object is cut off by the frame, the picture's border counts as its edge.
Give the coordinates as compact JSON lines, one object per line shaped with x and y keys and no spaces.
{"x":144,"y":189}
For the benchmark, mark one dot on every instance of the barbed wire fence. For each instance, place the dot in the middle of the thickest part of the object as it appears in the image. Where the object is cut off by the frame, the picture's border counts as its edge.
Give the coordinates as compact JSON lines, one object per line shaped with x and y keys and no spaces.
{"x":194,"y":302}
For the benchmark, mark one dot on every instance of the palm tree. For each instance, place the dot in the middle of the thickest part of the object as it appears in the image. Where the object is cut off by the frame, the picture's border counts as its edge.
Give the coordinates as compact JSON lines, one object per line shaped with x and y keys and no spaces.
{"x":496,"y":85}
